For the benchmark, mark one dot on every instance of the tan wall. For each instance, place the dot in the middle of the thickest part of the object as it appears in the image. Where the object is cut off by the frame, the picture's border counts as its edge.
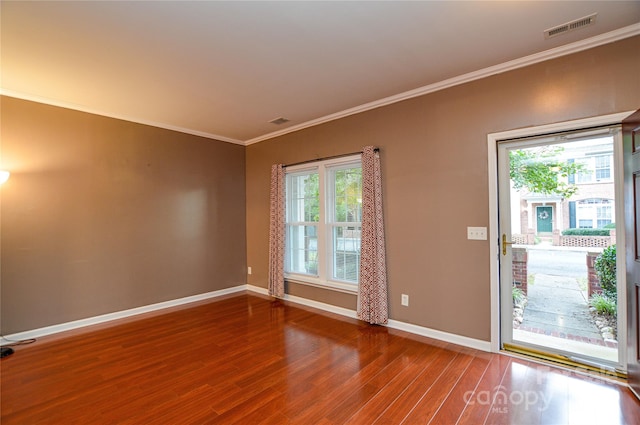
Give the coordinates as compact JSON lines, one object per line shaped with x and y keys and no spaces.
{"x":102,"y":215}
{"x":434,"y":159}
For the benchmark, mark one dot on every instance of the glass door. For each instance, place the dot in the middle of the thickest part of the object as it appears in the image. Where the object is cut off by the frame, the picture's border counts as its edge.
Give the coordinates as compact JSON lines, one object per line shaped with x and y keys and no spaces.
{"x":560,"y":245}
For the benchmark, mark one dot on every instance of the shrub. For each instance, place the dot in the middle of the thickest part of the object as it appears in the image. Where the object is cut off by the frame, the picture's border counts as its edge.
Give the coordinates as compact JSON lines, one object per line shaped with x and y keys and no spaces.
{"x":604,"y":304}
{"x":586,"y":232}
{"x":610,"y":226}
{"x":518,"y":295}
{"x":605,"y":266}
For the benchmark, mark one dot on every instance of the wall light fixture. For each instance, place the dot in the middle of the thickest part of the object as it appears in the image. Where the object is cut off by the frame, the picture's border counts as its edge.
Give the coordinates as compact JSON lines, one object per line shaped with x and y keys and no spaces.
{"x":4,"y":176}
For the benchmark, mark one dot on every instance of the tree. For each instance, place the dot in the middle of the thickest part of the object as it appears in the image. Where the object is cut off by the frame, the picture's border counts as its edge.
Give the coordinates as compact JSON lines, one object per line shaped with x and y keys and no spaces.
{"x":312,"y":196}
{"x":348,"y":195}
{"x":539,"y":170}
{"x":347,"y":185}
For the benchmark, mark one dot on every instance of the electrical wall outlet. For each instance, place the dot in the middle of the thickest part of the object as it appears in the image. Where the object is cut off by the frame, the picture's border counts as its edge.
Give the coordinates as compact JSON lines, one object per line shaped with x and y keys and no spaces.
{"x":404,"y":300}
{"x":248,"y":270}
{"x":477,"y":233}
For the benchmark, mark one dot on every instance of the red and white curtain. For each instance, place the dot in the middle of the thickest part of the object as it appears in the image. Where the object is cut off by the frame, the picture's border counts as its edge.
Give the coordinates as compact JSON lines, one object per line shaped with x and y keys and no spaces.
{"x":372,"y":293}
{"x":277,"y":232}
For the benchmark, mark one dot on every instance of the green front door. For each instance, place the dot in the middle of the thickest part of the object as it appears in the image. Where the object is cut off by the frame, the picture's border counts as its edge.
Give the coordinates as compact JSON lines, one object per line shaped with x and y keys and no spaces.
{"x":545,"y":219}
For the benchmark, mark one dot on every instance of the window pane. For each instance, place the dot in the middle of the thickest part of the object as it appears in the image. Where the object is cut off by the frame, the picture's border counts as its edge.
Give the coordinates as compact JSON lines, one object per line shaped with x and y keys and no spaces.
{"x":604,"y":215}
{"x":604,"y":211}
{"x":302,"y":198}
{"x":346,"y":253}
{"x":586,"y":174}
{"x":603,"y":168}
{"x":348,"y":195}
{"x":302,"y":249}
{"x":585,"y":224}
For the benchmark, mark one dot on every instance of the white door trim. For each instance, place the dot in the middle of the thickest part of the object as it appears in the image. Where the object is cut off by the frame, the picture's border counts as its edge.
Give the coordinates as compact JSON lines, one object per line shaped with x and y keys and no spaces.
{"x":492,"y":148}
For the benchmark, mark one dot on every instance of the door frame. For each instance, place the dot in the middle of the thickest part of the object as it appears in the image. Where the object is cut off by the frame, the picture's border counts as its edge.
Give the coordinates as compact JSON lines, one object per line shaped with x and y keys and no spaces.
{"x":494,"y":243}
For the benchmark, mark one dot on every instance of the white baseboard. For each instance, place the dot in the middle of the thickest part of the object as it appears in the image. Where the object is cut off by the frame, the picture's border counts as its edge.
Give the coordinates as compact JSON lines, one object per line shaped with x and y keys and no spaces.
{"x":441,"y":336}
{"x":37,"y":333}
{"x":258,"y":289}
{"x":395,"y":324}
{"x":309,"y":303}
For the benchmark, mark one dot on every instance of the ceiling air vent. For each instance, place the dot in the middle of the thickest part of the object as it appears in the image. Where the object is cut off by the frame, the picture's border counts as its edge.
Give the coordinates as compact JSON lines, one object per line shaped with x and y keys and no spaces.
{"x":570,"y":26}
{"x":279,"y":121}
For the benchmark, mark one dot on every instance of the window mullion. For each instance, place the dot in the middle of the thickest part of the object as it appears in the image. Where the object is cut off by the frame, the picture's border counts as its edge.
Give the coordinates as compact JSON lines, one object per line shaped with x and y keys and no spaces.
{"x":331,"y":218}
{"x":322,"y":232}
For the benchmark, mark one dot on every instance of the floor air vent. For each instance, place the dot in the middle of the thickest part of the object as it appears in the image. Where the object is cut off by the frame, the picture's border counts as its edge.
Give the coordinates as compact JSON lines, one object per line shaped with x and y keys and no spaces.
{"x":570,"y":26}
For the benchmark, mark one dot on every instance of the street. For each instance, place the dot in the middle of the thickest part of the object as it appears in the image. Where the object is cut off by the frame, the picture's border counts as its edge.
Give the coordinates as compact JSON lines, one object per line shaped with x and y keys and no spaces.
{"x":557,"y":263}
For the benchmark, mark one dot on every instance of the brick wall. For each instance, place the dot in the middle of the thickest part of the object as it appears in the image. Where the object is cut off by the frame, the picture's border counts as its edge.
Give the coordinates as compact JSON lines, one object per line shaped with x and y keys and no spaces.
{"x":584,"y":241}
{"x":528,"y":238}
{"x":519,"y":267}
{"x":592,"y":276}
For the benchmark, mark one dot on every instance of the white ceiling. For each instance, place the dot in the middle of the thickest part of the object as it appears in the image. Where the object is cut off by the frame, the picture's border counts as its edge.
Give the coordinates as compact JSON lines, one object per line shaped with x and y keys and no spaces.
{"x":225,"y":69}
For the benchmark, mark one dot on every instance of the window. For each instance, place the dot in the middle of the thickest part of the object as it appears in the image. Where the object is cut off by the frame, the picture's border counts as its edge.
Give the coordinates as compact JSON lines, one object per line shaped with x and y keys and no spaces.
{"x":603,"y":214}
{"x":595,"y":213}
{"x":603,"y":167}
{"x":596,"y":168}
{"x":585,"y":175}
{"x":344,"y":219}
{"x":302,"y":222}
{"x":323,"y":223}
{"x":585,"y":224}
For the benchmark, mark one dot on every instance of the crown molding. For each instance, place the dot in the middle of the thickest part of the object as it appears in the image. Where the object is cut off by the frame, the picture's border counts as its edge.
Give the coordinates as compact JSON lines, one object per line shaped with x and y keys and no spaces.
{"x":81,"y":108}
{"x":578,"y":46}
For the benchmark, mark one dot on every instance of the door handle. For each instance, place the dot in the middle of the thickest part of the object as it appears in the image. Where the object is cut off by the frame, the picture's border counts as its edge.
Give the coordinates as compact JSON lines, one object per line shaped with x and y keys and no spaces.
{"x":505,"y":243}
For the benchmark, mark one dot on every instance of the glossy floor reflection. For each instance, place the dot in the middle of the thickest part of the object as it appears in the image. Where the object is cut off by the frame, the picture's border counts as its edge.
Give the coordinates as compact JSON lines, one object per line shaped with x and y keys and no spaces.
{"x":245,"y":359}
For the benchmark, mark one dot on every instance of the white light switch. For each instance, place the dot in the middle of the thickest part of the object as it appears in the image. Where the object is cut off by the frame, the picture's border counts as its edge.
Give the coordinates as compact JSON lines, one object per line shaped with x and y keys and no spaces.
{"x":248,"y":270}
{"x":477,"y":233}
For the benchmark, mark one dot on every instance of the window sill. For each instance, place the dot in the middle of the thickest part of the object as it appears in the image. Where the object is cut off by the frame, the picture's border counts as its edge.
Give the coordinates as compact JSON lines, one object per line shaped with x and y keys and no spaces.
{"x":595,"y":182}
{"x":347,"y":288}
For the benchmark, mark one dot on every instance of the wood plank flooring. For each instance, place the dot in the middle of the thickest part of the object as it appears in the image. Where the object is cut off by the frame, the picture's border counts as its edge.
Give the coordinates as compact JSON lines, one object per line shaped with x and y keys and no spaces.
{"x":246,"y":359}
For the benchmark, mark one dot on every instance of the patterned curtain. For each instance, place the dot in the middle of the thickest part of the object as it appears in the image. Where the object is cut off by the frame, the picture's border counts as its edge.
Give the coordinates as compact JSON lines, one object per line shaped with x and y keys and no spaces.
{"x":372,"y":292}
{"x":276,"y":232}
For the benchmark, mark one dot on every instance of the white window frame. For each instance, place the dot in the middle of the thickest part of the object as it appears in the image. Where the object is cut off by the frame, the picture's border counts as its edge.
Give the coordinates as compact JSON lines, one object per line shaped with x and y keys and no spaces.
{"x":325,"y":224}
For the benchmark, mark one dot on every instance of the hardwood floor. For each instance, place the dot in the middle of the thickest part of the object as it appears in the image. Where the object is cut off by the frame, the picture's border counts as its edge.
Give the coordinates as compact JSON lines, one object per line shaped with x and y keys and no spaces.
{"x":249,"y":360}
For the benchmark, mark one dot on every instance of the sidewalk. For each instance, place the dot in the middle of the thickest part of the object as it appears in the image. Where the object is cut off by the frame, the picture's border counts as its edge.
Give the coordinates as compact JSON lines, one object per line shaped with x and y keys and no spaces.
{"x":557,"y":307}
{"x":547,"y":246}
